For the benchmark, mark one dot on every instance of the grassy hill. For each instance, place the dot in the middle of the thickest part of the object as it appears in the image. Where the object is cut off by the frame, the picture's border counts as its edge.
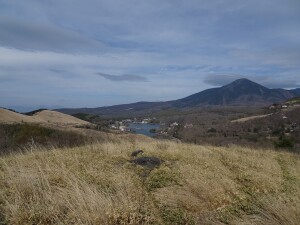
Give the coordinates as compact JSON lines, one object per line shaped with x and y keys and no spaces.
{"x":40,"y":117}
{"x":15,"y":137}
{"x":96,"y":184}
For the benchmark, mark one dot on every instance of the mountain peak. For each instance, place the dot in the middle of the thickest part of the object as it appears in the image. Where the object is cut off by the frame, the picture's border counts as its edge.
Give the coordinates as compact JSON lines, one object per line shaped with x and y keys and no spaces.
{"x":244,"y":84}
{"x":240,"y":92}
{"x":243,"y":81}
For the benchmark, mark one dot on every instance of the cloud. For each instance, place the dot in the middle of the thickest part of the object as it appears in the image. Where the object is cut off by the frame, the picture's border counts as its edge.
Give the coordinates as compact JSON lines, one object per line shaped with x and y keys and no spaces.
{"x":33,"y":36}
{"x":121,"y":78}
{"x":51,"y":50}
{"x":57,"y":70}
{"x":280,"y":82}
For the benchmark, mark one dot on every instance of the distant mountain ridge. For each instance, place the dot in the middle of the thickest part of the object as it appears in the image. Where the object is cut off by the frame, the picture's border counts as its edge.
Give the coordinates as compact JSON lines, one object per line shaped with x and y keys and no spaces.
{"x":241,"y":92}
{"x":296,"y":91}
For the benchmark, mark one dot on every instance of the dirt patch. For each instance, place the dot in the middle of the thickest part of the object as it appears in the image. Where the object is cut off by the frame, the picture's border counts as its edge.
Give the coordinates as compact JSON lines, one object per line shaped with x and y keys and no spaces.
{"x":147,"y":162}
{"x":250,"y":118}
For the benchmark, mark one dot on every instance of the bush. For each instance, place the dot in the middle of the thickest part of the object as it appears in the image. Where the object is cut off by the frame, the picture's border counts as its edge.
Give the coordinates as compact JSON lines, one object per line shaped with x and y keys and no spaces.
{"x":212,"y":130}
{"x":175,"y":216}
{"x":284,"y":142}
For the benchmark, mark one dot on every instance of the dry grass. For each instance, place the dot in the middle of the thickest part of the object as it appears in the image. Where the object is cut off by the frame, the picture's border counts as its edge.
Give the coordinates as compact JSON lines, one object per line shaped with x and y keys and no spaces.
{"x":96,"y":184}
{"x":43,"y":117}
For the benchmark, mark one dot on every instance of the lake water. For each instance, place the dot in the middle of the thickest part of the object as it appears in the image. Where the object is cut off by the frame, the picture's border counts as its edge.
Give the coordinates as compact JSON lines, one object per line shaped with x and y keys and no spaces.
{"x":143,"y":128}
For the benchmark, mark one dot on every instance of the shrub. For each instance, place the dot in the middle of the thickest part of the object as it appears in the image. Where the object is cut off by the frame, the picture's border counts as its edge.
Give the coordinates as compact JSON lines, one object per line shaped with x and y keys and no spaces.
{"x":284,"y":142}
{"x":212,"y":130}
{"x":175,"y":216}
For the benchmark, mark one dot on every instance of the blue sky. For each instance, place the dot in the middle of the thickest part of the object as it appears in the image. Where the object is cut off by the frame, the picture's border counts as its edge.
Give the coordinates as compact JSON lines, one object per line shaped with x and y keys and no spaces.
{"x":73,"y":53}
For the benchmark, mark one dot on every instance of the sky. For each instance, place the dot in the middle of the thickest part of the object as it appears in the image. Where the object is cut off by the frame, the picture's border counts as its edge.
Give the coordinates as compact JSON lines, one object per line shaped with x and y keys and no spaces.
{"x":74,"y":53}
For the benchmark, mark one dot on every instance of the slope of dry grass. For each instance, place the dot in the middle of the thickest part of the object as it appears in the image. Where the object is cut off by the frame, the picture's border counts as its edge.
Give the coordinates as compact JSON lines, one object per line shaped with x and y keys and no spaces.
{"x":42,"y":117}
{"x":96,"y":184}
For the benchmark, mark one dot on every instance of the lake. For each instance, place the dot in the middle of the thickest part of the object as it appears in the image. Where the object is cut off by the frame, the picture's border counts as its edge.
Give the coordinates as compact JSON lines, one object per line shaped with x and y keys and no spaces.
{"x":143,"y":128}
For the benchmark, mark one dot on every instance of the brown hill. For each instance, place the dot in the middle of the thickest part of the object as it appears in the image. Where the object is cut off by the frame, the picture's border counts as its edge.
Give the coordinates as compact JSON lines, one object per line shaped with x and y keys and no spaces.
{"x":45,"y":116}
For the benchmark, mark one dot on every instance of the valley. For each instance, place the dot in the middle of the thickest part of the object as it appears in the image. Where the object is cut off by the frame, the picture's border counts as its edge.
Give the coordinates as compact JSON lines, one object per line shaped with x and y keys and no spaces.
{"x":149,"y":112}
{"x":216,"y":164}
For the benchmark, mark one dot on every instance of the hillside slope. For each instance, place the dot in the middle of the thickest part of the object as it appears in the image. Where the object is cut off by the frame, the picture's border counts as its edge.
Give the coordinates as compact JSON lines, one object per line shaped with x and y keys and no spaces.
{"x":296,"y":91}
{"x":7,"y":116}
{"x":45,"y":116}
{"x":241,"y":92}
{"x":97,"y":184}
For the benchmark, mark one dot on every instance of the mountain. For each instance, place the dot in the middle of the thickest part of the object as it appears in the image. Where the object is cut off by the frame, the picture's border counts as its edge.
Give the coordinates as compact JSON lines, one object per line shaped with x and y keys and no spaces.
{"x":241,"y":92}
{"x":296,"y":91}
{"x":124,"y":110}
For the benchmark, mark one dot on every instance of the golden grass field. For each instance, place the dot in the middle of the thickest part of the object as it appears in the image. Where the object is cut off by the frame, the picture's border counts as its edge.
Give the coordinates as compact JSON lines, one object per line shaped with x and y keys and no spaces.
{"x":96,"y":184}
{"x":43,"y":117}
